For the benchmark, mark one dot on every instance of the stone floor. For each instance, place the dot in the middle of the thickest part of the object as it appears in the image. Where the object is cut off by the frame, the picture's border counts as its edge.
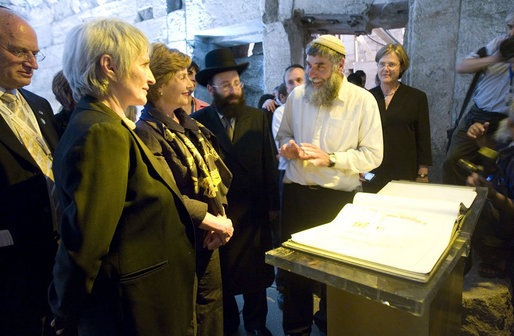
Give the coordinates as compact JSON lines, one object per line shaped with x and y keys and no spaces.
{"x":274,"y":322}
{"x":486,"y":305}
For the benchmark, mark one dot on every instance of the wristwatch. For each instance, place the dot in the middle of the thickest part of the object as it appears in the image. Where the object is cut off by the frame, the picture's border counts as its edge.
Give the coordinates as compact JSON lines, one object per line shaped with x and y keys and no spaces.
{"x":331,"y":159}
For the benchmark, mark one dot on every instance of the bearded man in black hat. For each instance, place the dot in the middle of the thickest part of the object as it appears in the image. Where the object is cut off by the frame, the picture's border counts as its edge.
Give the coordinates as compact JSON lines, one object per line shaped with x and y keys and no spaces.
{"x":247,"y":149}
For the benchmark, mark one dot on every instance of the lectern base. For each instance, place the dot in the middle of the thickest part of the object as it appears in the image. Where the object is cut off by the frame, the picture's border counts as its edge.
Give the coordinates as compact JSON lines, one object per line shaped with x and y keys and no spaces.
{"x":350,"y":314}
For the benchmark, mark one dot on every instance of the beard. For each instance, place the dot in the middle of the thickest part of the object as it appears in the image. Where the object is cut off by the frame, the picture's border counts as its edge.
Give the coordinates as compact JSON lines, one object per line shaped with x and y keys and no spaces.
{"x":226,"y":107}
{"x":326,"y":93}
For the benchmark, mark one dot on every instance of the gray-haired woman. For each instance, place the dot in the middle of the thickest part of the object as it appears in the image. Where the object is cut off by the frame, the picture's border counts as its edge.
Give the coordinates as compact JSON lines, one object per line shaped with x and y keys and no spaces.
{"x":126,"y":262}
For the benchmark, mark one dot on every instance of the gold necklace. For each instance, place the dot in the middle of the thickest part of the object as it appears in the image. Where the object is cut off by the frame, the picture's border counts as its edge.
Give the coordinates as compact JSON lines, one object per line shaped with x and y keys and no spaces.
{"x":390,"y":93}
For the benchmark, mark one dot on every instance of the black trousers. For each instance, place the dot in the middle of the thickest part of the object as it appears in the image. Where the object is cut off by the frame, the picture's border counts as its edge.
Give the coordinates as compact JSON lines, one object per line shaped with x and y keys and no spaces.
{"x":305,"y":207}
{"x":255,"y":310}
{"x":25,"y":275}
{"x":463,"y":147}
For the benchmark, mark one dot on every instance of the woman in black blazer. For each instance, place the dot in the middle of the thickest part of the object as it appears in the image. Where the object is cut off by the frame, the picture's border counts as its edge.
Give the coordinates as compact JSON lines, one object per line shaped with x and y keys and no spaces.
{"x":405,"y":123}
{"x":126,"y":261}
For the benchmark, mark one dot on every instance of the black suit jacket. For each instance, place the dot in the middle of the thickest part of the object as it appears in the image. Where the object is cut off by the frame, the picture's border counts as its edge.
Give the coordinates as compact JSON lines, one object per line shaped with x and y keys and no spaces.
{"x":24,"y":202}
{"x":252,"y":194}
{"x":25,"y":212}
{"x":126,"y":256}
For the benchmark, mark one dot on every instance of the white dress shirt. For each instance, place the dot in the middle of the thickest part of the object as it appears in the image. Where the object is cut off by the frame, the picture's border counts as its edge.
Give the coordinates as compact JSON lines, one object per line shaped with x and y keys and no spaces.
{"x":350,"y":128}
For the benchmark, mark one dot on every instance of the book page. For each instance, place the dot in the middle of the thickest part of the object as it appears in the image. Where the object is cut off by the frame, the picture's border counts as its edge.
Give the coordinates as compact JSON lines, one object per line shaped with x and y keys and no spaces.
{"x":451,"y":193}
{"x":407,"y":233}
{"x":383,"y":201}
{"x":407,"y":240}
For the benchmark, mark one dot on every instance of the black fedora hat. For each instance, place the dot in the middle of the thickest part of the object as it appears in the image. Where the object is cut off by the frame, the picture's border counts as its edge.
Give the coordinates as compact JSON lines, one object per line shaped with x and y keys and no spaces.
{"x":216,"y":61}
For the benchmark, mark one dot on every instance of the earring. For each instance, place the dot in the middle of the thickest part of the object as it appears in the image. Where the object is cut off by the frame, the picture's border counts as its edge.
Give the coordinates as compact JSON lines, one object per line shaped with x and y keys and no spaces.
{"x":160,"y":93}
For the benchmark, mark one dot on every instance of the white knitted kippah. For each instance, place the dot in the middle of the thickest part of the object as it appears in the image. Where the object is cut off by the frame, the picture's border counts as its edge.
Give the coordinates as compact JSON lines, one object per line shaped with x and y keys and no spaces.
{"x":332,"y":42}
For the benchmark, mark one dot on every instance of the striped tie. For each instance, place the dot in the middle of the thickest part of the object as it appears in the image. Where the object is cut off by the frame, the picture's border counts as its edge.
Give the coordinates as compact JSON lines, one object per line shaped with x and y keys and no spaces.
{"x":29,"y":135}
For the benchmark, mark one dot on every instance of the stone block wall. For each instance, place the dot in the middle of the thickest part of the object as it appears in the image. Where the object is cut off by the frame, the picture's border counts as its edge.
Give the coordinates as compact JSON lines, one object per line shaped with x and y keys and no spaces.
{"x":439,"y":33}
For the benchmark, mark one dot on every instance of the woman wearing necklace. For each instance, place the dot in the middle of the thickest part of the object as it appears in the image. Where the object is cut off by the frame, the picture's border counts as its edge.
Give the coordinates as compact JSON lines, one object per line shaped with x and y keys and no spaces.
{"x":183,"y":146}
{"x":405,"y":122}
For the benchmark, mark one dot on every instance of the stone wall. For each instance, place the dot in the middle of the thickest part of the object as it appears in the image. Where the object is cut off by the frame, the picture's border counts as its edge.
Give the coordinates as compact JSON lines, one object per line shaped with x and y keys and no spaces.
{"x":432,"y":33}
{"x":52,"y":20}
{"x":439,"y":33}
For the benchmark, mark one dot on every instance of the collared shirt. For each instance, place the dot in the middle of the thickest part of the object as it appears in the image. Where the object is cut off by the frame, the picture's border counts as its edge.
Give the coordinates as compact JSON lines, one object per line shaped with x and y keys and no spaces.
{"x":198,"y":104}
{"x":491,"y":92}
{"x":27,"y":110}
{"x":275,"y":125}
{"x":350,"y":129}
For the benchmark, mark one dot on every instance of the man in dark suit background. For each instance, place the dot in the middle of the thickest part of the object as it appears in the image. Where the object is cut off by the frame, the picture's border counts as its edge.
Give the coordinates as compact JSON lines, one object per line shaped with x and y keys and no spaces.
{"x":247,"y":149}
{"x":27,"y":243}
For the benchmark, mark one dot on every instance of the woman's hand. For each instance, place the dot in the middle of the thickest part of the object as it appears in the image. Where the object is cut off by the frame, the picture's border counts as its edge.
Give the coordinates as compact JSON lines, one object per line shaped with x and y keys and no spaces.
{"x":422,"y":174}
{"x":228,"y":230}
{"x":212,"y":240}
{"x":220,"y":225}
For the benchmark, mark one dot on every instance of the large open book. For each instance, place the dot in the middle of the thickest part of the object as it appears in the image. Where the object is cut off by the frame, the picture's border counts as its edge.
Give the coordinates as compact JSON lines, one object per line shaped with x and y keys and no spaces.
{"x":403,"y":230}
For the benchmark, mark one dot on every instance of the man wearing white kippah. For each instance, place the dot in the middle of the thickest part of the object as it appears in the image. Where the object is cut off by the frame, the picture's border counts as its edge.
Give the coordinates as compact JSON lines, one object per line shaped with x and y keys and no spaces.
{"x":330,"y":132}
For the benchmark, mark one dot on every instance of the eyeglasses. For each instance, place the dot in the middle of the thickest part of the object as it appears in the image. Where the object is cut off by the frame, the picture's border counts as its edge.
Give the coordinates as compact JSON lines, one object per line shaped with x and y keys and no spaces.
{"x":227,"y":86}
{"x":390,"y":65}
{"x":24,"y":54}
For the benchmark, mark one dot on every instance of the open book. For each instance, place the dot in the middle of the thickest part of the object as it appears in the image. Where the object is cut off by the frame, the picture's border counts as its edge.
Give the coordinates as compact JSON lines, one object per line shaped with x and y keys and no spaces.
{"x":403,"y":230}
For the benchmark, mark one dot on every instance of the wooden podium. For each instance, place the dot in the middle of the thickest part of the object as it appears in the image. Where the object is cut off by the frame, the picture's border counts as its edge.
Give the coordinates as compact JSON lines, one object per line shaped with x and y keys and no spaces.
{"x":366,"y":302}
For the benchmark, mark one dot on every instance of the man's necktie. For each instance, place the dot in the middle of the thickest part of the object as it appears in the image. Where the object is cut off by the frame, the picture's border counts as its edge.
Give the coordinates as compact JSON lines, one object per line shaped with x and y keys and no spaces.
{"x":29,"y":135}
{"x":229,"y":130}
{"x":36,"y":146}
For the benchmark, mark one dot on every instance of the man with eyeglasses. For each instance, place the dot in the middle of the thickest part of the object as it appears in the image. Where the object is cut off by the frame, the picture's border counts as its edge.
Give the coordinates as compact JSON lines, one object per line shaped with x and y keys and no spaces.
{"x":247,"y":149}
{"x":27,"y":140}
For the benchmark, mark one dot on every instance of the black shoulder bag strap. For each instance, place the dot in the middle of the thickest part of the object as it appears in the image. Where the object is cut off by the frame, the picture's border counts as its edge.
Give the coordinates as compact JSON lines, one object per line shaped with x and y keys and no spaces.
{"x":482,"y":52}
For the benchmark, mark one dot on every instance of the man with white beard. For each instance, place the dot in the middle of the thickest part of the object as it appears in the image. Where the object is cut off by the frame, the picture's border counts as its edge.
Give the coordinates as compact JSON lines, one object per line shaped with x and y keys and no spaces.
{"x":330,"y":132}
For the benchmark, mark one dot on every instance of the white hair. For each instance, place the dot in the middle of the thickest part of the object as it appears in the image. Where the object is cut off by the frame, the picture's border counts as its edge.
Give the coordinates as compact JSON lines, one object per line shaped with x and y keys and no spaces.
{"x":87,"y":42}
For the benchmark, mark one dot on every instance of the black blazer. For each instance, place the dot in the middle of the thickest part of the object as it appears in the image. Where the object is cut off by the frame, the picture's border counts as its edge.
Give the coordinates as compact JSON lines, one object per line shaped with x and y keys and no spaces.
{"x":25,"y":212}
{"x":252,"y":194}
{"x":126,"y":255}
{"x":406,"y":131}
{"x":24,"y":204}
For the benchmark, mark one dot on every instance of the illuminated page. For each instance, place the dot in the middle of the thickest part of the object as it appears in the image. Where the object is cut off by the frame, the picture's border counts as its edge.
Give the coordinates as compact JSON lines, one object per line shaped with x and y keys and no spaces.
{"x":404,"y":233}
{"x":450,"y":193}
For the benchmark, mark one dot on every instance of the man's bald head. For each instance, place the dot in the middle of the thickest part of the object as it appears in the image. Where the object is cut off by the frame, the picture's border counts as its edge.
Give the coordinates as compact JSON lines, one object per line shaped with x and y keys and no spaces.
{"x":18,"y":45}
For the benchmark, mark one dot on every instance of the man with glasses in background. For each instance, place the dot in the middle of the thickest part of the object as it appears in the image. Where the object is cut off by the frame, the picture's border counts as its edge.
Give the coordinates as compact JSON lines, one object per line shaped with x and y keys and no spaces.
{"x":27,"y":140}
{"x":247,"y":149}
